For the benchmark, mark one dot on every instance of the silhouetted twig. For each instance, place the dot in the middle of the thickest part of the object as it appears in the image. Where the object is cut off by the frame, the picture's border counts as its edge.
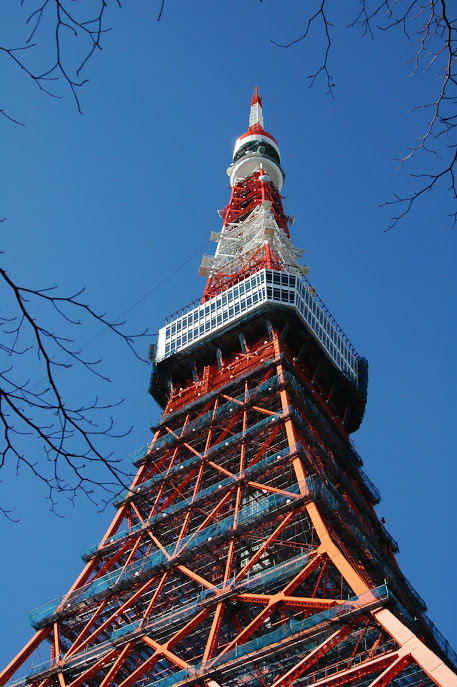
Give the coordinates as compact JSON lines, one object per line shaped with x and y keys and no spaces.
{"x":433,"y":33}
{"x":68,"y":433}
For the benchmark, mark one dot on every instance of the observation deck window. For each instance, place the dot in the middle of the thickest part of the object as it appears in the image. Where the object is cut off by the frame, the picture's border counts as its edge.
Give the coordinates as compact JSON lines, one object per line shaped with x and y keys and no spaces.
{"x":262,"y":287}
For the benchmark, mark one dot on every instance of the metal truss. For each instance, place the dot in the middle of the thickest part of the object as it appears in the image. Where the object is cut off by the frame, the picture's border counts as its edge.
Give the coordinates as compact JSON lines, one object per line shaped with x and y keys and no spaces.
{"x":247,"y":550}
{"x":254,"y":235}
{"x":232,"y":558}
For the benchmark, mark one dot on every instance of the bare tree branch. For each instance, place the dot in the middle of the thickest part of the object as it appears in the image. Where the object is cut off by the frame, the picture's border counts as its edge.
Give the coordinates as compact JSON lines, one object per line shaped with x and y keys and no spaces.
{"x":63,"y":25}
{"x":428,"y":24}
{"x":434,"y":46}
{"x":162,"y":7}
{"x":320,"y":14}
{"x":74,"y":32}
{"x":66,"y":435}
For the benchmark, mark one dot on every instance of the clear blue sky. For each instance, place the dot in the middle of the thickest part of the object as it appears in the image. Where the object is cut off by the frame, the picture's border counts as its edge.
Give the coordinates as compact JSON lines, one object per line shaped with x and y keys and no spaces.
{"x":120,"y":198}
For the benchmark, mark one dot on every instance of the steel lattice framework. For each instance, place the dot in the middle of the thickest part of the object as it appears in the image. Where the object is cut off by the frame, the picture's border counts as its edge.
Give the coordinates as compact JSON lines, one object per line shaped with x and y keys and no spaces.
{"x":248,"y":549}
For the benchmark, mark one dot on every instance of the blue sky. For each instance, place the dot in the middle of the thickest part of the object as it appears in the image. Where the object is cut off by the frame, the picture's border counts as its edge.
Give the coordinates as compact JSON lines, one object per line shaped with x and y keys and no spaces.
{"x":122,"y":200}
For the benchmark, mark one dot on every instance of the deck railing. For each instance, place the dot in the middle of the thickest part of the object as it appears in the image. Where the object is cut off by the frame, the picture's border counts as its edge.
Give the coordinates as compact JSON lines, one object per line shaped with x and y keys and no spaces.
{"x":201,"y":319}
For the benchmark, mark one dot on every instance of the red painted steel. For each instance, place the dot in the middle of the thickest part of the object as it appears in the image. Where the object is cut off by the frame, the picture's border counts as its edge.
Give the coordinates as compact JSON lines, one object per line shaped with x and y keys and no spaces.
{"x":247,"y":550}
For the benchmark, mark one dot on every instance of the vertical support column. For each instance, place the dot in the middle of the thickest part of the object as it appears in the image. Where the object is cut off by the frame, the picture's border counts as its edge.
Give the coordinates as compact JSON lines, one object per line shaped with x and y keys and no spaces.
{"x":289,"y":426}
{"x":285,"y":330}
{"x":331,"y":395}
{"x":327,"y":545}
{"x":243,"y":343}
{"x":301,"y":352}
{"x":268,"y":261}
{"x":55,"y":642}
{"x":347,"y":414}
{"x":316,"y":374}
{"x":206,"y":379}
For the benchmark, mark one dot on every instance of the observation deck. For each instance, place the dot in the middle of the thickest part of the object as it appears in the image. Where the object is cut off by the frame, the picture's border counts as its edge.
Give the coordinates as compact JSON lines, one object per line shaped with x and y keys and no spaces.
{"x":201,"y":320}
{"x":195,"y":336}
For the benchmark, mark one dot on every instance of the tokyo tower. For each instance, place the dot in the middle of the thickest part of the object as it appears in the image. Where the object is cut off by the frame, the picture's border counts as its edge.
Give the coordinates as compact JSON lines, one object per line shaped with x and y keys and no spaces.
{"x":247,"y":550}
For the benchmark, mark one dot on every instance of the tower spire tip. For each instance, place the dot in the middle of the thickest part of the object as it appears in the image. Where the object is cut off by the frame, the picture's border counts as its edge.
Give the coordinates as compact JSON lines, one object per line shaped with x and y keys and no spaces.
{"x":256,"y":117}
{"x":256,"y":99}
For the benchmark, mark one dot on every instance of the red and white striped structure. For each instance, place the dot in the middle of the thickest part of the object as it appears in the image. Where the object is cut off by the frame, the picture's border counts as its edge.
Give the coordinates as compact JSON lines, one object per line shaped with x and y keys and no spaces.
{"x":255,"y":232}
{"x":247,"y":550}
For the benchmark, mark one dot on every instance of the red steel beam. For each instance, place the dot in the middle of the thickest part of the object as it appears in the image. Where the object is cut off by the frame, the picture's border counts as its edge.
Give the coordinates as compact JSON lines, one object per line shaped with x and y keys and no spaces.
{"x":117,"y":665}
{"x":94,"y":669}
{"x":302,"y":666}
{"x":23,"y":655}
{"x":392,"y":671}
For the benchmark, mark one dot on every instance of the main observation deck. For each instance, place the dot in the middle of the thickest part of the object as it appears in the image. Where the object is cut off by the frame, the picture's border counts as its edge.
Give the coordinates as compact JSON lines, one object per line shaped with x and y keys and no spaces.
{"x":201,"y":320}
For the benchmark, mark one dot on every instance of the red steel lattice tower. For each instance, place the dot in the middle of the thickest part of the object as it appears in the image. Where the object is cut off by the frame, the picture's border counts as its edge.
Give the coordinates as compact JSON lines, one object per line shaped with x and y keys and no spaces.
{"x":247,"y":550}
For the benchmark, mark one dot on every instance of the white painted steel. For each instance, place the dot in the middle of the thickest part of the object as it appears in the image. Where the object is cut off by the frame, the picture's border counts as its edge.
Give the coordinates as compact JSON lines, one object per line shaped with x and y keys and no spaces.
{"x":256,"y":116}
{"x":240,"y":241}
{"x":249,"y":164}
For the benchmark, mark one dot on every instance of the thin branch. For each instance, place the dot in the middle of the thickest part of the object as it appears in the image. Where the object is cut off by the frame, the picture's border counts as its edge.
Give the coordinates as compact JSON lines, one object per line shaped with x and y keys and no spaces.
{"x":69,"y":434}
{"x":323,"y":69}
{"x":434,"y":45}
{"x":56,"y":24}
